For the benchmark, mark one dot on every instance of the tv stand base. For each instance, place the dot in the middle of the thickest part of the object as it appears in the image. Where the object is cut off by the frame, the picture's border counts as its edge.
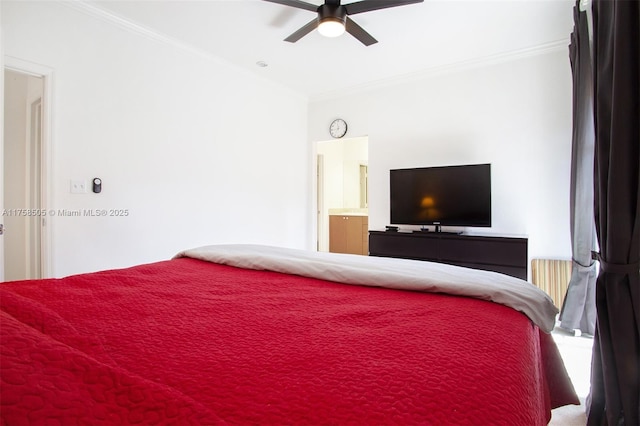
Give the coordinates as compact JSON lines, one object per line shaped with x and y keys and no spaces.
{"x":507,"y":255}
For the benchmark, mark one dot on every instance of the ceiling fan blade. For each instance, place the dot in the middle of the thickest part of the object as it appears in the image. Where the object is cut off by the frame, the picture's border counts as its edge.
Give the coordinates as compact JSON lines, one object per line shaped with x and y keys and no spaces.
{"x":367,"y":6}
{"x":358,"y":32}
{"x":296,"y":3}
{"x":302,"y":31}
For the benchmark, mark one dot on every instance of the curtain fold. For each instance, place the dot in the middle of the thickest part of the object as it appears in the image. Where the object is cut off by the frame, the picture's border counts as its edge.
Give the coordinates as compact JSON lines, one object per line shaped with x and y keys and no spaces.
{"x":579,"y":307}
{"x":615,"y":375}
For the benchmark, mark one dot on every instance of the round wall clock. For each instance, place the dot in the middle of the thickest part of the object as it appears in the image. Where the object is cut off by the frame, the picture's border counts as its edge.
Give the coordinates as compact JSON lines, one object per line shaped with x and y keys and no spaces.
{"x":338,"y":128}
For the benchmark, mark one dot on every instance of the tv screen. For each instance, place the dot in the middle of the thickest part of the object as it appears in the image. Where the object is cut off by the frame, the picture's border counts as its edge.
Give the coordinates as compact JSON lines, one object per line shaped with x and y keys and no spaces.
{"x":442,"y":196}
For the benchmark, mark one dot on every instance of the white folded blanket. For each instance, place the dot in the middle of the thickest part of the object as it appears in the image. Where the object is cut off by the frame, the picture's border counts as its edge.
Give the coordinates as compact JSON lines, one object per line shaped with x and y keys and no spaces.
{"x":402,"y":274}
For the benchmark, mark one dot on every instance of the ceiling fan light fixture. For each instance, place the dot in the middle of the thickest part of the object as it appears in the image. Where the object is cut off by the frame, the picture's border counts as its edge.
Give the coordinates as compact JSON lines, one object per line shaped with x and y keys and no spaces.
{"x":331,"y":27}
{"x":333,"y":18}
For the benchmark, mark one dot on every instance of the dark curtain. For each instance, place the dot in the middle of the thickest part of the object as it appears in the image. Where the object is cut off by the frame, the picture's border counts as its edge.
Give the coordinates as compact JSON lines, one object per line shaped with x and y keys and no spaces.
{"x":615,"y":376}
{"x":579,"y":307}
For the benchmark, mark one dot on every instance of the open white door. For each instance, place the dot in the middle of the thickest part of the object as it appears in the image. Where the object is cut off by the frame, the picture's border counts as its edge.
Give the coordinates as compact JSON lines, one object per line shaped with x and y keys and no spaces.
{"x":1,"y":149}
{"x":26,"y":112}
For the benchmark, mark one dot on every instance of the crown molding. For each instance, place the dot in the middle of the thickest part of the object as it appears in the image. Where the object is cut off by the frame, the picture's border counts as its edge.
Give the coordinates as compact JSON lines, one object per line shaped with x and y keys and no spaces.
{"x":440,"y":70}
{"x":97,"y":12}
{"x":108,"y":17}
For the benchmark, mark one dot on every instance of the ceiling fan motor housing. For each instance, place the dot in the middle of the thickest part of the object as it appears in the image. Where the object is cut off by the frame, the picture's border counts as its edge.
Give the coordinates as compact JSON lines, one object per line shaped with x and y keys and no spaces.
{"x":330,"y":12}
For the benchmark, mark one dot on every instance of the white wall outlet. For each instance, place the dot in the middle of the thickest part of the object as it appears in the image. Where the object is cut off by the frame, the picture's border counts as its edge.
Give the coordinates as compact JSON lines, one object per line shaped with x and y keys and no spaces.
{"x":78,"y":186}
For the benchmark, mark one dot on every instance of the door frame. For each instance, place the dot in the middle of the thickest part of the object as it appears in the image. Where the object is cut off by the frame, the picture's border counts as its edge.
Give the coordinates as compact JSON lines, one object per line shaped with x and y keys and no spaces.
{"x":320,"y":222}
{"x":46,"y":73}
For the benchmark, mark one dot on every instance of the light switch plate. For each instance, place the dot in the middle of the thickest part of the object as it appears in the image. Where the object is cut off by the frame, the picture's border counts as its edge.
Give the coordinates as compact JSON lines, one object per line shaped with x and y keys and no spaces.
{"x":78,"y":186}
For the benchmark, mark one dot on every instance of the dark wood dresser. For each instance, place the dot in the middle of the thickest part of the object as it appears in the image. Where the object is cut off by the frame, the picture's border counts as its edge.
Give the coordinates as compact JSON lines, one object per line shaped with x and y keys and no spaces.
{"x":507,"y":255}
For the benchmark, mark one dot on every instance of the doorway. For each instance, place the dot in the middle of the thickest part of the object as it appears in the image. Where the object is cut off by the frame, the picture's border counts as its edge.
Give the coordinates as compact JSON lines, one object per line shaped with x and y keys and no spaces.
{"x":23,"y":177}
{"x":342,"y":182}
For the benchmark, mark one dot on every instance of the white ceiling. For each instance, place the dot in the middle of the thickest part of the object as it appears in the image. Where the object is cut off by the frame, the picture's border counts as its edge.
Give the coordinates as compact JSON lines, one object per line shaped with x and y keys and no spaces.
{"x":412,"y":39}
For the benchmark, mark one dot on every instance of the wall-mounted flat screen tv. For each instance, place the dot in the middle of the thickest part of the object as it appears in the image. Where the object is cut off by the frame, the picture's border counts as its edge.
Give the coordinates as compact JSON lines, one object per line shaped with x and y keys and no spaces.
{"x":441,"y":196}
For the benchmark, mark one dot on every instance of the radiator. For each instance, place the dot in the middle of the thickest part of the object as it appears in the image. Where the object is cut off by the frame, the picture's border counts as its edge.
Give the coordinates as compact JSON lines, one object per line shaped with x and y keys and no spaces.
{"x":552,"y":276}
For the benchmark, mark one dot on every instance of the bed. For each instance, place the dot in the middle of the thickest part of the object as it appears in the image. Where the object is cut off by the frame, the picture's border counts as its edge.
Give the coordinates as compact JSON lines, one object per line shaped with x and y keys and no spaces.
{"x":253,"y":335}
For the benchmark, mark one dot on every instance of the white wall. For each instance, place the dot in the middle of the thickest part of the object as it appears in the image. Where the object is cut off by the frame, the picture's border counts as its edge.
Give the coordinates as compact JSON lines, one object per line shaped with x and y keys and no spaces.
{"x":515,"y":115}
{"x":342,"y":160}
{"x":190,"y":146}
{"x":355,"y":154}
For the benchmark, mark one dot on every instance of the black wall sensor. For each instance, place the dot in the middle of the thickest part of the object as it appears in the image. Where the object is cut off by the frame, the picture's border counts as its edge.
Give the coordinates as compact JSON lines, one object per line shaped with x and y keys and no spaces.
{"x":97,"y":185}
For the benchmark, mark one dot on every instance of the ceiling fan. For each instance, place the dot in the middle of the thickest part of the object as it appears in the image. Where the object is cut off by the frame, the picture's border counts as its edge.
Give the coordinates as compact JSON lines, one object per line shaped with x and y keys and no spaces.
{"x":333,"y":18}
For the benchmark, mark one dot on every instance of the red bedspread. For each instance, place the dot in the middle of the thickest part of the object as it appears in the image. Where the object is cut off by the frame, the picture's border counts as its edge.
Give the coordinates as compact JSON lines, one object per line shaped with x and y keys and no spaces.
{"x":190,"y":342}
